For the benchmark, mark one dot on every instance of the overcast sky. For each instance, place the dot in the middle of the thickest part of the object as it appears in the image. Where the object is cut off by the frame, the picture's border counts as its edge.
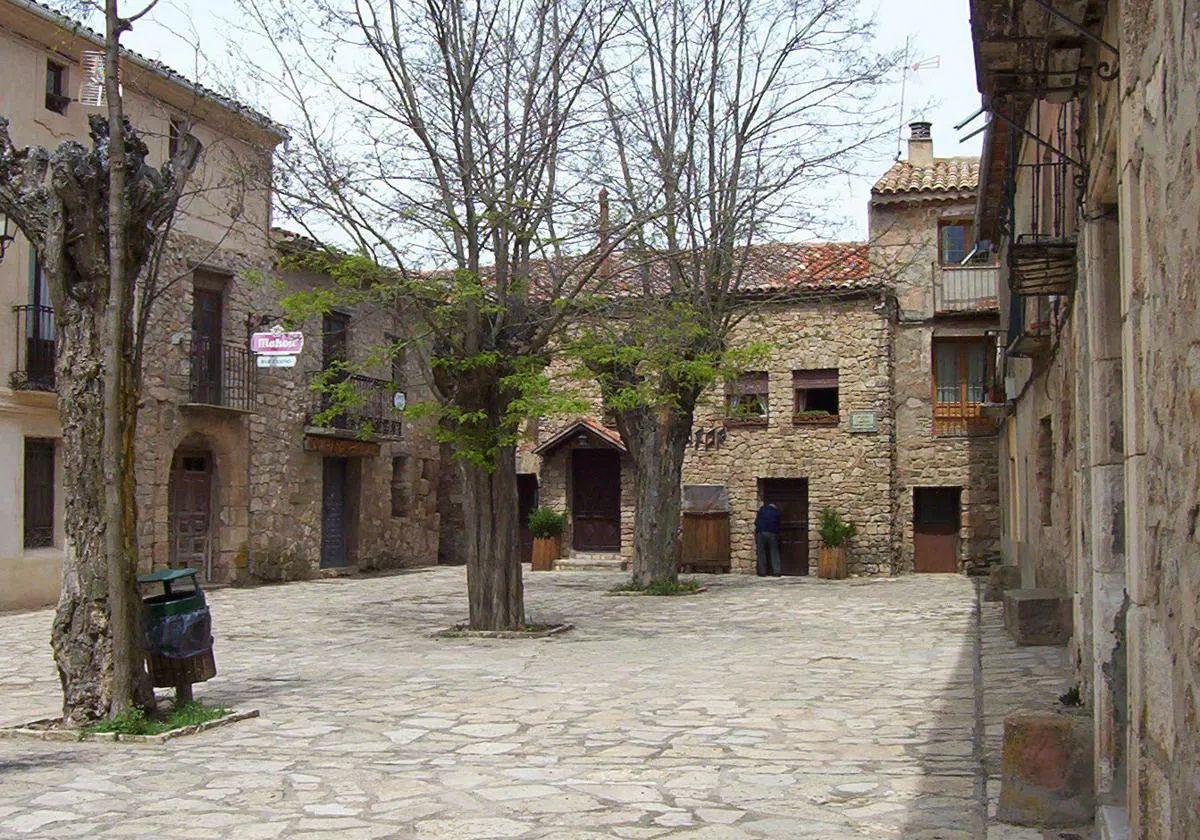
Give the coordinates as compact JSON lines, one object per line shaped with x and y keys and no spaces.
{"x":944,"y":95}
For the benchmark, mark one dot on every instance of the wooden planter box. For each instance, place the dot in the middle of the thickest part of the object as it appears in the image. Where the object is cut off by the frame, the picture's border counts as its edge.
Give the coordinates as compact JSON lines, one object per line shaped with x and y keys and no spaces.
{"x":545,"y":551}
{"x":831,"y":563}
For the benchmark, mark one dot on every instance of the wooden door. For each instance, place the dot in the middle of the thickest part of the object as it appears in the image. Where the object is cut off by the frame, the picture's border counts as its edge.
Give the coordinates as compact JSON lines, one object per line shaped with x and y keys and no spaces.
{"x":39,"y":493}
{"x":333,"y":514}
{"x":596,"y":500}
{"x":207,"y":315}
{"x":527,"y":495}
{"x":190,"y":512}
{"x":936,"y":520}
{"x":790,"y":495}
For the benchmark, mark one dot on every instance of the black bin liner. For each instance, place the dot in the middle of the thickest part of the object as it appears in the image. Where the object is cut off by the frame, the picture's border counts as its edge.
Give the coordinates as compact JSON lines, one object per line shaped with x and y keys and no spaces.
{"x":180,"y":636}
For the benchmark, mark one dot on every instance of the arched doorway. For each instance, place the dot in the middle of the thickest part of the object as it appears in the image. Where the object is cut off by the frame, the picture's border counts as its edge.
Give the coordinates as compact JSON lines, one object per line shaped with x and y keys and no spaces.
{"x":190,"y":510}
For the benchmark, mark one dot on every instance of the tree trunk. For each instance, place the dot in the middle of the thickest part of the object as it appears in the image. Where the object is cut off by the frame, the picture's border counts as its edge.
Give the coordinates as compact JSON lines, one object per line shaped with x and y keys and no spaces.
{"x":81,"y":637}
{"x":494,"y":587}
{"x":657,"y":440}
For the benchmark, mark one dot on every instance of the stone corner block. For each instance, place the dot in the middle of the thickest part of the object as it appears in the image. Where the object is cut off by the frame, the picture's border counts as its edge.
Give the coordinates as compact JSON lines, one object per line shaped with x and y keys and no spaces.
{"x":1037,"y":616}
{"x":1046,"y":769}
{"x":1000,"y":580}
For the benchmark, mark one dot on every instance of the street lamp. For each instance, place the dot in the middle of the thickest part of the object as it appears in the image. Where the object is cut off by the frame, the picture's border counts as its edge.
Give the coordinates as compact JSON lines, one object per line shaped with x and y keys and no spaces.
{"x":6,"y":235}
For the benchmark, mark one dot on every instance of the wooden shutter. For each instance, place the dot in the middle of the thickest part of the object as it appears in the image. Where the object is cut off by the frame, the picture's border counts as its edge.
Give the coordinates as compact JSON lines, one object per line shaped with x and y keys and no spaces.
{"x":39,"y":493}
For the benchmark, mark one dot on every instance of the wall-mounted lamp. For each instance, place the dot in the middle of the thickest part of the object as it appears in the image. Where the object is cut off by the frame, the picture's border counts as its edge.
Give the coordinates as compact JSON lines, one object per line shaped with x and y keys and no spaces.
{"x":6,"y":234}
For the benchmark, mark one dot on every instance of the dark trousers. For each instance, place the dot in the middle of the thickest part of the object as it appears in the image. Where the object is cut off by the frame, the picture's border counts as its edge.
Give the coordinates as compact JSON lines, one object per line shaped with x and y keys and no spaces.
{"x":766,"y":547}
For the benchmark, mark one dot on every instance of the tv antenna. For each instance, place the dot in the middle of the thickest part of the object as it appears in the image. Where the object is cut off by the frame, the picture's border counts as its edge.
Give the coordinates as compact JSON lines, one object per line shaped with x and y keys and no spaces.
{"x":932,"y":62}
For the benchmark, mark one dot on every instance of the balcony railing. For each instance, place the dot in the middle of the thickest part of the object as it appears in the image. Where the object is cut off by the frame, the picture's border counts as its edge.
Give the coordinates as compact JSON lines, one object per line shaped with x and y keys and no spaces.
{"x":358,"y":404}
{"x":965,"y":289}
{"x":961,"y":419}
{"x":35,"y":349}
{"x":221,"y":374}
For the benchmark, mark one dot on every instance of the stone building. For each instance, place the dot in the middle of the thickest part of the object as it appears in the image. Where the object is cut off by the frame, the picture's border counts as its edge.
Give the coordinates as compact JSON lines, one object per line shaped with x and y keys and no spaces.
{"x":869,"y":401}
{"x":921,"y":220}
{"x":1090,"y":195}
{"x":233,"y":476}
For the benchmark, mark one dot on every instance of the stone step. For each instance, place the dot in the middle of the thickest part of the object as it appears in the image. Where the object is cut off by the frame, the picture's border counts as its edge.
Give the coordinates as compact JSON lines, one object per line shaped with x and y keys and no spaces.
{"x":578,"y":562}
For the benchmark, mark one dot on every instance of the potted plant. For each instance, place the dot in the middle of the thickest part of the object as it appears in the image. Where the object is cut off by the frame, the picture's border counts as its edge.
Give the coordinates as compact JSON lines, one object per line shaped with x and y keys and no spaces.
{"x":547,"y":526}
{"x":835,"y":533}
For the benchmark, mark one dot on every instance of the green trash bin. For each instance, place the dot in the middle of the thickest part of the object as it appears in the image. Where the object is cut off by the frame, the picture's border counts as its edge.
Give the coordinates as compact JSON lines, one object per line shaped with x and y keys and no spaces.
{"x":177,"y":628}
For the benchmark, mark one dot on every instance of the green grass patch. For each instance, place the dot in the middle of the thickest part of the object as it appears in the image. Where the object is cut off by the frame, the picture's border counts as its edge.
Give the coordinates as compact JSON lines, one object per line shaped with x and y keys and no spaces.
{"x":662,"y":587}
{"x":137,"y":722}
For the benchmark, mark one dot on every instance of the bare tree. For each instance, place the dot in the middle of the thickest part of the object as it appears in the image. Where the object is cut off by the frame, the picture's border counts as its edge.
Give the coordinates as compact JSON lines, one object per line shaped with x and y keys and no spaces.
{"x":724,"y":119}
{"x":96,"y":218}
{"x":447,"y":125}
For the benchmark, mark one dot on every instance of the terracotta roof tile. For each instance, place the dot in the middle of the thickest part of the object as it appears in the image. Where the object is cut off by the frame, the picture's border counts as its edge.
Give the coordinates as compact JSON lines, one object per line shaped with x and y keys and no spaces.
{"x":954,"y":174}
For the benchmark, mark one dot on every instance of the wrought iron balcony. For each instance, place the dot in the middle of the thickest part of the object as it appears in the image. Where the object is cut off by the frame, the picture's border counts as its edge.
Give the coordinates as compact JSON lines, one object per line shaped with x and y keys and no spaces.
{"x":35,"y":349}
{"x":965,"y":288}
{"x":221,"y":375}
{"x":359,"y":404}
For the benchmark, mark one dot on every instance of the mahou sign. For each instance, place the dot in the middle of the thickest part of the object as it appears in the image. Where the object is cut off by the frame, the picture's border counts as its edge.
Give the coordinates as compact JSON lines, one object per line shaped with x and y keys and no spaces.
{"x":277,"y":343}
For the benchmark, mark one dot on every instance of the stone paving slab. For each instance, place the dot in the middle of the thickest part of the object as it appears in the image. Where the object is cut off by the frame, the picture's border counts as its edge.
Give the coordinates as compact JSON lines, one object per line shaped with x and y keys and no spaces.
{"x":764,"y":708}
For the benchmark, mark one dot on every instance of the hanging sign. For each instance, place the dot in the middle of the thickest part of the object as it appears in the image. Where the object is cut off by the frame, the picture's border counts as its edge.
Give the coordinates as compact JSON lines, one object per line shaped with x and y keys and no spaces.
{"x":277,"y":342}
{"x":275,"y":361}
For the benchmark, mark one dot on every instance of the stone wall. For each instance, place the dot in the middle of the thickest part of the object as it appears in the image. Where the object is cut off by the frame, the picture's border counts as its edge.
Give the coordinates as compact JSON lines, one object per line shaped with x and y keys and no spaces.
{"x":1160,"y":305}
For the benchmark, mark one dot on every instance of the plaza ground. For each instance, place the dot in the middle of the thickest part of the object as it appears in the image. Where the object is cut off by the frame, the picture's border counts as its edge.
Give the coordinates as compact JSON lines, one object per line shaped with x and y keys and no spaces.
{"x":784,"y":708}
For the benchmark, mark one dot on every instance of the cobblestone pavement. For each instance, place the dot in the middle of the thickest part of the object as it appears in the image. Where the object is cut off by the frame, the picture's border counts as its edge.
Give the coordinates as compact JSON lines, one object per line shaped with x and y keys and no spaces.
{"x":762,"y":708}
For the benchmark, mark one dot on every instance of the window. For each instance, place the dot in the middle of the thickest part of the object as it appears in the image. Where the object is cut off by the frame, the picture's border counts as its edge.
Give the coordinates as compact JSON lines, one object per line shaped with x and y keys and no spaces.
{"x":56,"y":82}
{"x":399,"y":489}
{"x":816,"y":394}
{"x":960,"y":377}
{"x":746,"y":398}
{"x":335,"y":327}
{"x":39,"y":493}
{"x":954,"y":242}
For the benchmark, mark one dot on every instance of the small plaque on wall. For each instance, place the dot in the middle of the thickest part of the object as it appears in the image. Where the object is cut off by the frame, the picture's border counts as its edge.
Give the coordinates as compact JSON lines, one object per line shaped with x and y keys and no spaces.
{"x":863,"y":421}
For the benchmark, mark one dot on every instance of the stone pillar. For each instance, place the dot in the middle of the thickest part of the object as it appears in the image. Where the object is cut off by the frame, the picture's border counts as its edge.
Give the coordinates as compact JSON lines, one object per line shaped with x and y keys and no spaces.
{"x":1106,"y":526}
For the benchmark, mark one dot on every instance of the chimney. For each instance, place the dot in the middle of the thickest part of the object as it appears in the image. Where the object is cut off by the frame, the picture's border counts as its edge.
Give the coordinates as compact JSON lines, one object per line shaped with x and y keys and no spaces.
{"x":920,"y":144}
{"x":604,"y":225}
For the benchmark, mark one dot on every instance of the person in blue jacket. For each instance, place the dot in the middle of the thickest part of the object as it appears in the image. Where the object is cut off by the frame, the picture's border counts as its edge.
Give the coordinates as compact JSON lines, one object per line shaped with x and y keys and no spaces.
{"x":766,"y":539}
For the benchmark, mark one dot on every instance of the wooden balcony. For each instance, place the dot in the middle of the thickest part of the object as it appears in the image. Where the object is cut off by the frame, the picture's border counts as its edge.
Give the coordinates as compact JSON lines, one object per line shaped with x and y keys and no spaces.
{"x":965,"y":289}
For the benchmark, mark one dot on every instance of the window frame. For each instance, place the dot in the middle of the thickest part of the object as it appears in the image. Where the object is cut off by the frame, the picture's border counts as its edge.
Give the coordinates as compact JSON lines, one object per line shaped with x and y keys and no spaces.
{"x":964,"y":416}
{"x":751,"y":383}
{"x":968,"y":239}
{"x":803,"y":416}
{"x":55,"y":99}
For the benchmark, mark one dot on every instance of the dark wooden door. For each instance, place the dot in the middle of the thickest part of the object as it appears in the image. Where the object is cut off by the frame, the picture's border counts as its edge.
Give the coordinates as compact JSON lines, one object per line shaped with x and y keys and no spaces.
{"x":936,"y":519}
{"x":790,"y":495}
{"x":335,"y":329}
{"x":333,"y":513}
{"x":39,"y":493}
{"x":527,"y":496}
{"x":190,"y":511}
{"x":596,"y":500}
{"x":207,"y":315}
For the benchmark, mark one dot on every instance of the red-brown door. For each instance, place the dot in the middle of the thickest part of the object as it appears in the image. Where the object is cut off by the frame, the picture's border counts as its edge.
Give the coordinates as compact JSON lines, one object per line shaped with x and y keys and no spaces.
{"x":527,"y":494}
{"x":790,"y":495}
{"x":190,"y":511}
{"x":936,"y":519}
{"x":596,"y":500}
